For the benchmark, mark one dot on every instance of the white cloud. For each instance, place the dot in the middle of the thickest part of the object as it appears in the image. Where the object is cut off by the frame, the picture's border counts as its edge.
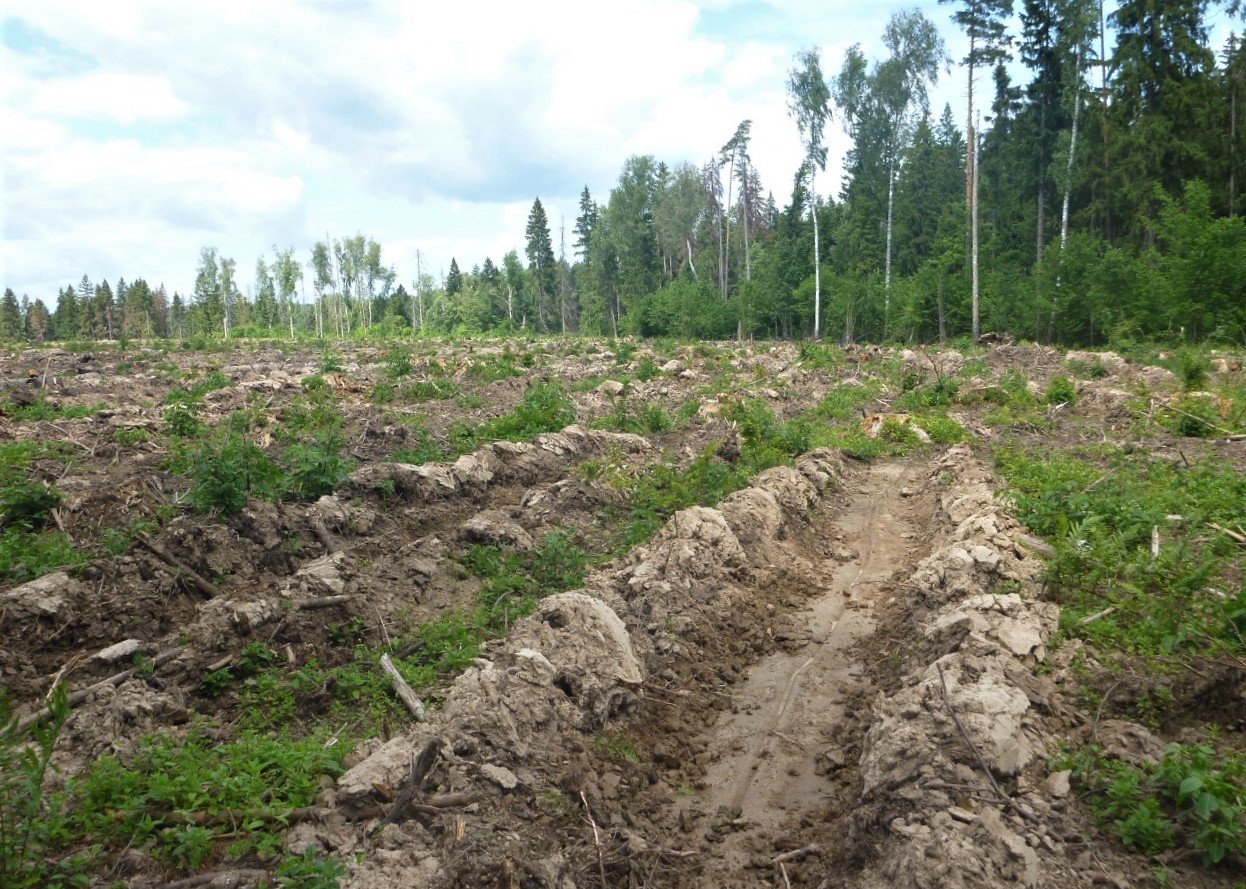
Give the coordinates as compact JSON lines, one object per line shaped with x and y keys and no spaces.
{"x":429,"y":126}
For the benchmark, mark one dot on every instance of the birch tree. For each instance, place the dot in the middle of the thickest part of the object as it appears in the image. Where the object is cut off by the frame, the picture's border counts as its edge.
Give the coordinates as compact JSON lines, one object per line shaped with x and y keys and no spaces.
{"x":809,"y":102}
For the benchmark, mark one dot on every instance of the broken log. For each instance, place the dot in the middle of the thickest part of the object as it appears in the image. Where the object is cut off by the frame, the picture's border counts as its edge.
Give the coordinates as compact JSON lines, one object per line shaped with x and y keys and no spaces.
{"x":405,"y":693}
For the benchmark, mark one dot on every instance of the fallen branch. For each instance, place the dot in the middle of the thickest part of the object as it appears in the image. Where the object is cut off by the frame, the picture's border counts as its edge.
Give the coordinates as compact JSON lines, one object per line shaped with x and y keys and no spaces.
{"x":404,"y":691}
{"x":326,"y":539}
{"x":964,"y":733}
{"x":419,"y":771}
{"x":1230,"y":436}
{"x":1235,"y":536}
{"x":77,"y":697}
{"x":1098,"y":615}
{"x":223,"y":879}
{"x":796,"y":854}
{"x":601,"y":858}
{"x":200,"y":583}
{"x":323,"y":602}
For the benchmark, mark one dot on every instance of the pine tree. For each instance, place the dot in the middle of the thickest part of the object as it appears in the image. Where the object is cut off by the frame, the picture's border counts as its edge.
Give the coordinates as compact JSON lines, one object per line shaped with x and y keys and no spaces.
{"x":454,"y":280}
{"x":539,"y":249}
{"x":265,"y":314}
{"x":11,"y":327}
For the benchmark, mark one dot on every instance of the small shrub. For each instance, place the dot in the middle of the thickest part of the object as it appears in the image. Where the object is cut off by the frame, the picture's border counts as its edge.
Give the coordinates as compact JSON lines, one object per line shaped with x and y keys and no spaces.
{"x":316,"y":468}
{"x":1061,"y":390}
{"x":224,"y":471}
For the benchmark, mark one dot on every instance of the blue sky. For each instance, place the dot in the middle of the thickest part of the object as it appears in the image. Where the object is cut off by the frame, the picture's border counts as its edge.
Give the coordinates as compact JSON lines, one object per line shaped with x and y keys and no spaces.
{"x":137,"y":131}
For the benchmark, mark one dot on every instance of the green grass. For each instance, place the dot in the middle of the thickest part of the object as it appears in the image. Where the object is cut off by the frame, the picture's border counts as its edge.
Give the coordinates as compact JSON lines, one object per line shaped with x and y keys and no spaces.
{"x":44,"y":410}
{"x":1100,"y":518}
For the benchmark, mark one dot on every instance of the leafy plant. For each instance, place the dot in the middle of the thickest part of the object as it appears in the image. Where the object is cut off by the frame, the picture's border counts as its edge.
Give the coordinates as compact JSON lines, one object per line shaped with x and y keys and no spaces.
{"x":316,"y":468}
{"x":225,"y":470}
{"x":26,"y":824}
{"x":1061,"y":390}
{"x":1194,"y":797}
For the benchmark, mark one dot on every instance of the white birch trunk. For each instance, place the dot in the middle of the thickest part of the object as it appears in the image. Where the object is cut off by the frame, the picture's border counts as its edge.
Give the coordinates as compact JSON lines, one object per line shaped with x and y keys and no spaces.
{"x":817,"y":263}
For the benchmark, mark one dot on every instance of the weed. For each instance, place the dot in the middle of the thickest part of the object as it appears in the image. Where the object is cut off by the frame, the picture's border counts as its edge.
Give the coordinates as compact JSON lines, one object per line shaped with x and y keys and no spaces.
{"x":398,"y":364}
{"x":42,"y":409}
{"x":316,"y":468}
{"x":329,"y":363}
{"x":1194,"y":797}
{"x":617,"y":748}
{"x":25,"y":828}
{"x":646,"y":369}
{"x":181,"y":421}
{"x":225,"y":470}
{"x":1060,"y":390}
{"x":1102,"y":533}
{"x":182,"y":797}
{"x":646,"y":419}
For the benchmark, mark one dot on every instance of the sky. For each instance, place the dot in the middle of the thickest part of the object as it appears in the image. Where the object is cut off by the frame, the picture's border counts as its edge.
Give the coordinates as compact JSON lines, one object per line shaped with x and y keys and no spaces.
{"x":135,"y":132}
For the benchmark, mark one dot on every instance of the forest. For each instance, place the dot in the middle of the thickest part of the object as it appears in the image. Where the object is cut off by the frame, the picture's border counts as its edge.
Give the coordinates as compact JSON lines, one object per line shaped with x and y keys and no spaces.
{"x":1093,"y":200}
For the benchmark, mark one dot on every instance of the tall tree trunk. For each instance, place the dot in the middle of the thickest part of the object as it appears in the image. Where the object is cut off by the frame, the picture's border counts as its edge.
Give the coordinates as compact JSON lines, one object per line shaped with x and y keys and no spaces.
{"x":727,"y":227}
{"x":1233,"y":78}
{"x":942,"y":314}
{"x":688,"y":241}
{"x":817,"y":264}
{"x":1068,"y":188}
{"x":748,"y":265}
{"x":891,"y":201}
{"x":971,"y":193}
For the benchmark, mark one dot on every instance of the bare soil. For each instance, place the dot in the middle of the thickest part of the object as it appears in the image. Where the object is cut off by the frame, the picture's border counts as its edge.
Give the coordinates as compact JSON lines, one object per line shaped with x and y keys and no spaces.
{"x":838,"y":676}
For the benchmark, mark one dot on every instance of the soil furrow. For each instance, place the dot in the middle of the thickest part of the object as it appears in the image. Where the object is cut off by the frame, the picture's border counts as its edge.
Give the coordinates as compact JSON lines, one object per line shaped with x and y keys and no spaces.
{"x":764,"y":774}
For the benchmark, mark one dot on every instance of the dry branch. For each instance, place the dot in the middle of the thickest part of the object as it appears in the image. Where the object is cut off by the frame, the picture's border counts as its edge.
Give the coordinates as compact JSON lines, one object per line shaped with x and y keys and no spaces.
{"x":1236,"y":536}
{"x":964,"y":733}
{"x":223,"y":879}
{"x":77,"y":697}
{"x":322,"y":602}
{"x":419,"y":771}
{"x":601,"y":857}
{"x":200,"y":583}
{"x":404,"y":691}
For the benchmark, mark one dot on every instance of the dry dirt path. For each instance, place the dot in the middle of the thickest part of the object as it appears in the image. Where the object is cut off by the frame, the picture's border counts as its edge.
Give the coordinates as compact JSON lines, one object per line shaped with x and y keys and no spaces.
{"x":763,"y":780}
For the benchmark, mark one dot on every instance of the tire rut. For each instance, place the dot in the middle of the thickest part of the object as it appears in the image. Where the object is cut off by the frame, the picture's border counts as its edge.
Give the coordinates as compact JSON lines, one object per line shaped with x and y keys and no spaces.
{"x":764,"y":776}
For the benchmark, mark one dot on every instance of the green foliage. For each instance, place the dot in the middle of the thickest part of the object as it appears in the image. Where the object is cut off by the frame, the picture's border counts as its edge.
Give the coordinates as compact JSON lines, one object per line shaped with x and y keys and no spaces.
{"x":661,"y":490}
{"x":643,"y":418}
{"x":398,"y":364}
{"x":225,"y":470}
{"x":646,"y":369}
{"x":545,"y":407}
{"x":1195,"y":798}
{"x":1100,"y":521}
{"x":211,"y":382}
{"x":181,"y":420}
{"x":1192,"y":370}
{"x":1061,"y":390}
{"x":315,"y":468}
{"x":767,"y":441}
{"x":491,"y":368}
{"x":42,"y":409}
{"x":26,"y":504}
{"x":25,"y":555}
{"x":428,"y":390}
{"x":27,"y":818}
{"x":329,"y":363}
{"x":183,"y":797}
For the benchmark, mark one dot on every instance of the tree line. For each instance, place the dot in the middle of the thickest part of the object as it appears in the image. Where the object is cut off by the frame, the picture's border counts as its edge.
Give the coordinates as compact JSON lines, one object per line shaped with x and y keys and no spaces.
{"x":1097,"y":200}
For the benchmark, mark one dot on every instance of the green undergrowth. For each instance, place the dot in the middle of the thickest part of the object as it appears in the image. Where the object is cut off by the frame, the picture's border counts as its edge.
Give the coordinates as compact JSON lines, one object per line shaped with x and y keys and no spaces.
{"x":1101,"y":517}
{"x":29,"y":546}
{"x":42,"y":409}
{"x":544,"y":407}
{"x":1136,"y":550}
{"x":1195,"y":798}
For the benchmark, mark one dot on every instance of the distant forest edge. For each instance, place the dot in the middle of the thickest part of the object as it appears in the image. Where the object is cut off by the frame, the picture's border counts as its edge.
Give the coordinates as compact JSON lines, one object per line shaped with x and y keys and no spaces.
{"x":1099,"y":202}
